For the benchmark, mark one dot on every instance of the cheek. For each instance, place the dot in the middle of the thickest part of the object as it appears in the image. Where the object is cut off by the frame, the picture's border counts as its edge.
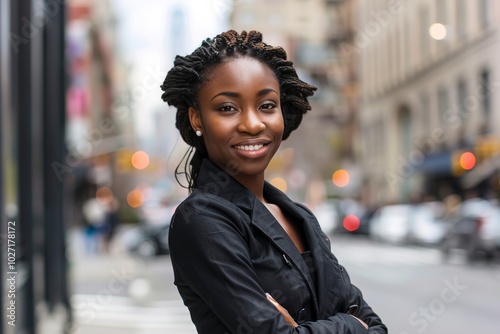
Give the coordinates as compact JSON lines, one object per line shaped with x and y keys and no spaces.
{"x":279,"y":124}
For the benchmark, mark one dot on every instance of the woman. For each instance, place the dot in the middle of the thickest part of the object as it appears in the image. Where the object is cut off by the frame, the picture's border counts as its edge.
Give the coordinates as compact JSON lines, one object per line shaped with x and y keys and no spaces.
{"x":246,"y":258}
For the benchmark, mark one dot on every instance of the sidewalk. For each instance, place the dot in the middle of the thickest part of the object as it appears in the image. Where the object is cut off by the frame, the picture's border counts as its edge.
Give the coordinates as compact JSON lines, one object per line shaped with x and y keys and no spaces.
{"x":118,"y":293}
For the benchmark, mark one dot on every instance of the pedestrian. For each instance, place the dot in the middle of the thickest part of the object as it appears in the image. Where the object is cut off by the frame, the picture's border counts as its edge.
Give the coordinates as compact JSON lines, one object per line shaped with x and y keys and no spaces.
{"x":246,"y":258}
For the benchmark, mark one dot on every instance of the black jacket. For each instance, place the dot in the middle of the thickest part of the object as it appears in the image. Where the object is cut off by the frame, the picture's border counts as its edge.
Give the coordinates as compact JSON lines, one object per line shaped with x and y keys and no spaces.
{"x":227,"y":251}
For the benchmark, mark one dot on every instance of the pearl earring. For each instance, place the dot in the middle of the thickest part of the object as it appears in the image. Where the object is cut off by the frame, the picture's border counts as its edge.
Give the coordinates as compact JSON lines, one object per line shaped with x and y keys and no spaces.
{"x":198,"y":133}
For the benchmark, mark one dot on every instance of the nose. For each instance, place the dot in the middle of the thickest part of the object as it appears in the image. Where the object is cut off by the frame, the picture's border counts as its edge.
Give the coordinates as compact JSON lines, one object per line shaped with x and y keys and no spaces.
{"x":251,"y":122}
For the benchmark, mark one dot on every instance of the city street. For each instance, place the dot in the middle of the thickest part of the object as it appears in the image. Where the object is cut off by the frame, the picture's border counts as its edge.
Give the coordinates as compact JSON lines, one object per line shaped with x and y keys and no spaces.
{"x":409,"y":287}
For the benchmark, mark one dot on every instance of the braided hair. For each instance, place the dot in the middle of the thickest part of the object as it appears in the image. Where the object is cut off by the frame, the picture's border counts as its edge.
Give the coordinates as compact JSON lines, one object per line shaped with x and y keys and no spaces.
{"x":183,"y":81}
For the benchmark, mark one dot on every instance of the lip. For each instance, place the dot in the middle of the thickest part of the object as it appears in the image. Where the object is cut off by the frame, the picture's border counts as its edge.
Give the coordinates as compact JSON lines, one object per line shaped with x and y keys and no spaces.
{"x":253,"y":154}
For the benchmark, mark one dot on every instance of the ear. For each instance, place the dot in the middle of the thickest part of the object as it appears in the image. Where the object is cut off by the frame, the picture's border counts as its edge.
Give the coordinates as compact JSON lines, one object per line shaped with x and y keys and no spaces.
{"x":195,"y":119}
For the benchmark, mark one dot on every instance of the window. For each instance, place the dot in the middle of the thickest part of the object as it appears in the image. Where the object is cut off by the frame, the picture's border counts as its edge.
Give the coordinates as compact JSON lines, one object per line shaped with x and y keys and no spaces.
{"x":462,"y":96}
{"x":442,"y":17}
{"x":485,"y":98}
{"x":442,"y":105}
{"x":461,"y":19}
{"x":484,"y":13}
{"x":424,"y":31}
{"x":425,"y":111}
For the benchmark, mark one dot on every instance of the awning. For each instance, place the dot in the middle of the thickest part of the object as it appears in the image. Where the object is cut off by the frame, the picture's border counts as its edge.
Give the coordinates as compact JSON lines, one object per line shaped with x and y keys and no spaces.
{"x":436,"y":164}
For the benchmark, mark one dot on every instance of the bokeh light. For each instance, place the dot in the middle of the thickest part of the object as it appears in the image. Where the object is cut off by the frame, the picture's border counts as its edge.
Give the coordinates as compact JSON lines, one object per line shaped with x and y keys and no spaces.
{"x":340,"y":178}
{"x":351,"y":223}
{"x":437,"y":31}
{"x":140,"y":160}
{"x":467,"y":160}
{"x":135,"y":198}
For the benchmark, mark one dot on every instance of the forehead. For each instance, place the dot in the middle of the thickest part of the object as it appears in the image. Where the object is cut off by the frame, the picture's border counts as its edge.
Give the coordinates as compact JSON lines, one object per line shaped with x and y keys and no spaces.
{"x":240,"y":71}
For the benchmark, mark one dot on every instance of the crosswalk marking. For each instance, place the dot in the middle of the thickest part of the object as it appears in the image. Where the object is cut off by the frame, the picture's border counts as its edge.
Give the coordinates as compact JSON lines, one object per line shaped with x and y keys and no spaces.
{"x":123,"y":313}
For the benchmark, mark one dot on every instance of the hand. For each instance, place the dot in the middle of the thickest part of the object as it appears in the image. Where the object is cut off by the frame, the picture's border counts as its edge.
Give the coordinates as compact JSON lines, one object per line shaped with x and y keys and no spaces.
{"x":361,"y":321}
{"x":283,"y":311}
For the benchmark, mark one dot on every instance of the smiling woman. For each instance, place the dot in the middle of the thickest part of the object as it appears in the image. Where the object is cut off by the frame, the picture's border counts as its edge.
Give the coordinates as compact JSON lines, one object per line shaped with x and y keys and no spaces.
{"x":246,"y":258}
{"x":239,"y":115}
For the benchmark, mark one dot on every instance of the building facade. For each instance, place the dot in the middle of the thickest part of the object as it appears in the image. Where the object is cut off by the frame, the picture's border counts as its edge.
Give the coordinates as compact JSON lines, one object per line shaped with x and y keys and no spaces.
{"x":429,"y":93}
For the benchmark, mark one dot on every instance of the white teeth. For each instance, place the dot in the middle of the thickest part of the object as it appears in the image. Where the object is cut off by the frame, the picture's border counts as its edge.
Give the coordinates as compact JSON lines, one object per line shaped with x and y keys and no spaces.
{"x":250,"y":147}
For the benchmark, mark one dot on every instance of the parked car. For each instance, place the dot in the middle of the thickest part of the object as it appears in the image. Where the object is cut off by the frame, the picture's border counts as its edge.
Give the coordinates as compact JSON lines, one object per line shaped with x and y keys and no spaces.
{"x":327,"y":215}
{"x":409,"y":223}
{"x":150,"y":237}
{"x":353,"y":217}
{"x":147,"y":240}
{"x":476,"y":234}
{"x":427,"y":227}
{"x":390,"y":223}
{"x":463,"y":235}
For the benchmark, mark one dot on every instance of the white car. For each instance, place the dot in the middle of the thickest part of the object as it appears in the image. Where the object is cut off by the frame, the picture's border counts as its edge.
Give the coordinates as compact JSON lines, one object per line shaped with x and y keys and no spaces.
{"x":415,"y":223}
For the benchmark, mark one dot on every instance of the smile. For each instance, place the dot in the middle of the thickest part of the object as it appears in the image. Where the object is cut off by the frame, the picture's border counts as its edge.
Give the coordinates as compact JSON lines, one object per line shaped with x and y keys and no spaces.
{"x":250,"y":147}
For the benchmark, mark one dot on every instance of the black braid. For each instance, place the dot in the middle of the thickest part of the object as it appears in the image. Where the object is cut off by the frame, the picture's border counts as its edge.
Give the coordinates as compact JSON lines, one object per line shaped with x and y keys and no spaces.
{"x":189,"y":73}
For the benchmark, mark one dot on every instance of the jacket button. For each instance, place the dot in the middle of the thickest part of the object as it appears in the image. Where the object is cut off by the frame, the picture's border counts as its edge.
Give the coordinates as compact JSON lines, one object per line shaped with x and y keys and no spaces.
{"x":302,"y":316}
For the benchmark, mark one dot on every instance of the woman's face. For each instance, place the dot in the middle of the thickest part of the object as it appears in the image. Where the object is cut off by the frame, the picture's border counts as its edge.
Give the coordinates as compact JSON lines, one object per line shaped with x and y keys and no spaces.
{"x":240,"y":116}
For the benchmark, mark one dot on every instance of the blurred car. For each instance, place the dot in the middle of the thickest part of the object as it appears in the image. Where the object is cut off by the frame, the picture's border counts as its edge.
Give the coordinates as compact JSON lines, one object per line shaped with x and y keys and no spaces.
{"x":462,"y":235}
{"x":354,"y":217}
{"x":327,"y":216}
{"x":476,"y":232}
{"x":409,"y":223}
{"x":147,"y":240}
{"x":150,"y":237}
{"x":390,"y":223}
{"x":426,"y":225}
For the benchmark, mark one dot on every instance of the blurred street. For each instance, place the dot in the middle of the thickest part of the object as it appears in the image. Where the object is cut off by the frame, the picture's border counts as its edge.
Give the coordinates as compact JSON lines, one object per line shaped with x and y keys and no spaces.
{"x":408,"y":286}
{"x":399,"y":149}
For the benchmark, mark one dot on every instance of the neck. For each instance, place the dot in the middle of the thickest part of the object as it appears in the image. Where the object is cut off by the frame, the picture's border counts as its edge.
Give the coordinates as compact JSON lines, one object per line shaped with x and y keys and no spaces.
{"x":255,"y":184}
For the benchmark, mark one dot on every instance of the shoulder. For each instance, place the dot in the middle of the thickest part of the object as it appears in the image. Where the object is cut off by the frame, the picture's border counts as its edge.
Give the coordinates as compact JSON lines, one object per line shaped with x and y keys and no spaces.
{"x":202,"y":209}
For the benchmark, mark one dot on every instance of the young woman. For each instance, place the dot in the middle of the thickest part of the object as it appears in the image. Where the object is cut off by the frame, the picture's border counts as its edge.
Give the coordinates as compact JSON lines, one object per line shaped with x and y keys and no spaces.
{"x":246,"y":258}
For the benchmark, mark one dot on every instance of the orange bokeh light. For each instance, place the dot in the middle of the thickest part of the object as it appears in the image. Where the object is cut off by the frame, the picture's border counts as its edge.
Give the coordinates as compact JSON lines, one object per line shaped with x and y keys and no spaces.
{"x":140,"y":160}
{"x":467,"y":160}
{"x":135,"y":198}
{"x":340,"y":178}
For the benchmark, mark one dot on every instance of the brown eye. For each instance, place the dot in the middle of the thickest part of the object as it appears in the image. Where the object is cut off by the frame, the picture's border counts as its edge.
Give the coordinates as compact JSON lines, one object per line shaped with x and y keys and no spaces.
{"x":226,"y":108}
{"x":268,"y":106}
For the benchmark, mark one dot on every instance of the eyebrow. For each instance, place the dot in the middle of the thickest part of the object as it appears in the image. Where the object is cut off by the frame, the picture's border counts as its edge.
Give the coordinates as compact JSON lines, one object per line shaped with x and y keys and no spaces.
{"x":234,"y":94}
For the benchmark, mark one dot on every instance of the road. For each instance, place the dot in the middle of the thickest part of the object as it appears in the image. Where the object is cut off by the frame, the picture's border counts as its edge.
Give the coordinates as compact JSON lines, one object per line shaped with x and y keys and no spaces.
{"x":409,"y":287}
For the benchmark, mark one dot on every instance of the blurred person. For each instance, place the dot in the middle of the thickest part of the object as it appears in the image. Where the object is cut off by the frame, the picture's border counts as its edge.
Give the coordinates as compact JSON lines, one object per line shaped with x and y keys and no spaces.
{"x":246,"y":258}
{"x":95,"y":217}
{"x":111,"y":221}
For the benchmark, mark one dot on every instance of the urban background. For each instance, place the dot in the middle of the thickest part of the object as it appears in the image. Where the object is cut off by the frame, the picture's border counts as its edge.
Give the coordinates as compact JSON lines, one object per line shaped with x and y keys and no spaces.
{"x":399,"y":157}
